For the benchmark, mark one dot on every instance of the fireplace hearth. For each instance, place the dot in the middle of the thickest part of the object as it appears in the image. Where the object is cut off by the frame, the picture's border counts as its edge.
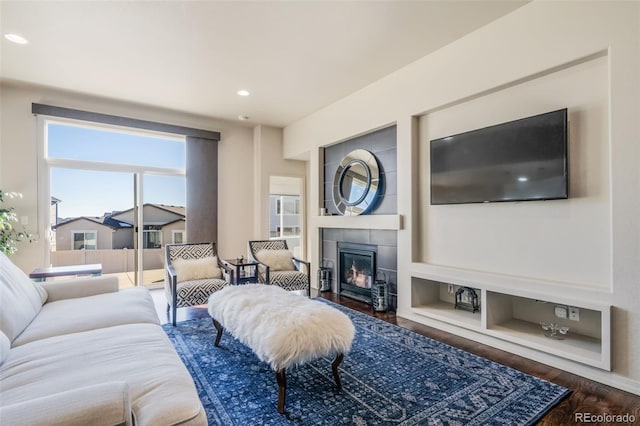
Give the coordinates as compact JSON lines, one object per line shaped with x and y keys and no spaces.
{"x":356,"y":270}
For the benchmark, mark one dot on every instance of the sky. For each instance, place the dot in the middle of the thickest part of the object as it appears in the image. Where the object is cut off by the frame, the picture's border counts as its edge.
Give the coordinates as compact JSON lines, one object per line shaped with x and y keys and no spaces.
{"x":92,"y":193}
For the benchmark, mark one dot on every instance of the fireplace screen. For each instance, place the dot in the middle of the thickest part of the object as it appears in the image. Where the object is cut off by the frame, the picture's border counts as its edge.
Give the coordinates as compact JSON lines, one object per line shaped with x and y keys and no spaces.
{"x":358,"y":270}
{"x":356,"y":266}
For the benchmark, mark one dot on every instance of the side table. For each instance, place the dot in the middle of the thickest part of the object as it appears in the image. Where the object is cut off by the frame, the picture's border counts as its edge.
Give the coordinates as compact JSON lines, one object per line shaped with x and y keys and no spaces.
{"x":246,"y":272}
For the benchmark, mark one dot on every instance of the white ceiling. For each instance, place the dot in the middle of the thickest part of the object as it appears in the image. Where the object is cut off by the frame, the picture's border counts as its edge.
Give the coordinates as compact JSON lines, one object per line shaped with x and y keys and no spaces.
{"x":192,"y":56}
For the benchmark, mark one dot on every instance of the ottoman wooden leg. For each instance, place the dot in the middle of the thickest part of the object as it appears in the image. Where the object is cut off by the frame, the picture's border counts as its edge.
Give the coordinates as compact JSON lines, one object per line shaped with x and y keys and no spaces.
{"x":282,"y":389}
{"x":334,"y":366}
{"x":218,"y":327}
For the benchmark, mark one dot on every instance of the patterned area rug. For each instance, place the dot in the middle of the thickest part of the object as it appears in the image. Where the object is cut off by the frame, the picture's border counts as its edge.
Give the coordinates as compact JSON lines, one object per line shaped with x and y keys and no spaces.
{"x":392,"y":376}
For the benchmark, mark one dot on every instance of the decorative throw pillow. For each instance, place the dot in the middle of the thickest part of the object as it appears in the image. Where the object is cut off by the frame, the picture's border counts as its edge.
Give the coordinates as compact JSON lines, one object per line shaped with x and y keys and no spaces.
{"x":197,"y":269}
{"x":5,"y":346}
{"x":278,"y":260}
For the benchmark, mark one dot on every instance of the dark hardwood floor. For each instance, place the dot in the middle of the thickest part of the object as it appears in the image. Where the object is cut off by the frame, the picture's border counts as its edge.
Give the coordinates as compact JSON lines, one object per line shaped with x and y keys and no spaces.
{"x":587,"y":396}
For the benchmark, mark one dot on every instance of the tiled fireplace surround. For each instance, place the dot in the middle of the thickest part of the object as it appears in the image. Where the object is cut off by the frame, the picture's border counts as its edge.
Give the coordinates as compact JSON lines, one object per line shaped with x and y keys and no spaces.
{"x":382,"y":144}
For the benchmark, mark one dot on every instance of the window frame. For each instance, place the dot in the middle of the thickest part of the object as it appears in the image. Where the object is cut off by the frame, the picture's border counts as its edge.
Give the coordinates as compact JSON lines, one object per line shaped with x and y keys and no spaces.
{"x":174,"y":232}
{"x":45,"y":164}
{"x":81,"y":231}
{"x":145,"y":240}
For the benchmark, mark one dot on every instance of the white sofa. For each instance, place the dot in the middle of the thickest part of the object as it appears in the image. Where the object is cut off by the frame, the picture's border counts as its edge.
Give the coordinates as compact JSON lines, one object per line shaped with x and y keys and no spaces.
{"x":80,"y":352}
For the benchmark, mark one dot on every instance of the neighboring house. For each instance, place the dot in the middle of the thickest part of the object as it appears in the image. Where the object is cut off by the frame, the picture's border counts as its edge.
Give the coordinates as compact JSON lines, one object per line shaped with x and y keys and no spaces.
{"x":284,"y":215}
{"x":162,"y":225}
{"x":53,"y":217}
{"x":87,"y":233}
{"x":122,"y":233}
{"x":53,"y":214}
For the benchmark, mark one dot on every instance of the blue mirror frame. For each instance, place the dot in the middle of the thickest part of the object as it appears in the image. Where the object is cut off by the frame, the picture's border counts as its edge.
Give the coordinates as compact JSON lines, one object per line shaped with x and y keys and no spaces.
{"x":357,"y":183}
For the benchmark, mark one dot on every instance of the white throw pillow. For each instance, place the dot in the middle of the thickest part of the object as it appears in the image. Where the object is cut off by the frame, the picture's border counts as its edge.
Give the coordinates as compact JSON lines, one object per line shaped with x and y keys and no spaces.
{"x":197,"y":269}
{"x":278,"y":260}
{"x":21,"y":299}
{"x":5,"y":346}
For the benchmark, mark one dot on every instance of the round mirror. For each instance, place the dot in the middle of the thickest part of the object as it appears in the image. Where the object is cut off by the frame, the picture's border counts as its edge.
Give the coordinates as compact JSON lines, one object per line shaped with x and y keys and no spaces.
{"x":356,"y":183}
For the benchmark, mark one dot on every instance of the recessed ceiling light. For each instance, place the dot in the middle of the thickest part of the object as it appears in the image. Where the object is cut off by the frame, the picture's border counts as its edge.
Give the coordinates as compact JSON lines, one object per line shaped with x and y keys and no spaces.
{"x":243,"y":92}
{"x":16,"y":38}
{"x":523,"y":178}
{"x":243,"y":117}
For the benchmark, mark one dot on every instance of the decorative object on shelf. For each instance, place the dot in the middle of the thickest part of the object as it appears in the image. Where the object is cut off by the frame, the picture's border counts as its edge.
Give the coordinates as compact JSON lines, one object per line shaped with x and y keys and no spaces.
{"x":467,"y":299}
{"x":324,"y":277}
{"x":553,"y":330}
{"x":240,"y":259}
{"x":357,"y":183}
{"x":380,"y":293}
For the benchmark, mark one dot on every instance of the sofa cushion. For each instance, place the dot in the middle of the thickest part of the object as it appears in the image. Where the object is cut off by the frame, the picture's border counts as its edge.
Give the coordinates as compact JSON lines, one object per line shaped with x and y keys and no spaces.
{"x":196,"y":269}
{"x":160,"y":387}
{"x":80,"y":287}
{"x":21,"y":298}
{"x":277,"y":260}
{"x":5,"y":347}
{"x":103,"y":404}
{"x":133,"y":305}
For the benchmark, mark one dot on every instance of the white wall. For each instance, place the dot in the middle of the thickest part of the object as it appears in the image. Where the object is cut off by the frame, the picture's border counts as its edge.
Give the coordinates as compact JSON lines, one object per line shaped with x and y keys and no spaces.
{"x":541,"y":39}
{"x":18,"y":165}
{"x":268,"y":161}
{"x":560,"y":240}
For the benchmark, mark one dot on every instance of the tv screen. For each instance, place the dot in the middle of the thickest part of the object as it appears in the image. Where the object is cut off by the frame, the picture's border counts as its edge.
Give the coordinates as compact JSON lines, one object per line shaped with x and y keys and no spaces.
{"x":520,"y":160}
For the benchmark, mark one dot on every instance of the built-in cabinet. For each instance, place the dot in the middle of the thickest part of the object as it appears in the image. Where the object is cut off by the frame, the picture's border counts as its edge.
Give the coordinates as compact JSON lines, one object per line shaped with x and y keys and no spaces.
{"x":511,"y":311}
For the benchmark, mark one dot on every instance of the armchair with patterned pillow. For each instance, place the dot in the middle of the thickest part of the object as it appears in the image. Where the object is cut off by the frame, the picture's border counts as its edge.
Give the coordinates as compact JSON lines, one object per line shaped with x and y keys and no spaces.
{"x":193,"y":273}
{"x":279,"y":266}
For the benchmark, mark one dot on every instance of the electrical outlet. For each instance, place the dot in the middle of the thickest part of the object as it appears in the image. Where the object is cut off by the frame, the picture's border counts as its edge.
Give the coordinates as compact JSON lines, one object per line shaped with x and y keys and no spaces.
{"x":574,"y":313}
{"x":450,"y":289}
{"x":561,"y":311}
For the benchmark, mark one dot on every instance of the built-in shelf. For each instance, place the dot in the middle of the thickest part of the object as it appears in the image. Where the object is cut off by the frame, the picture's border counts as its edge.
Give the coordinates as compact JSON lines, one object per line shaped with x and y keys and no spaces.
{"x":446,"y":312}
{"x":561,"y":292}
{"x":437,"y":301}
{"x":377,"y":221}
{"x":513,"y":314}
{"x":587,"y":350}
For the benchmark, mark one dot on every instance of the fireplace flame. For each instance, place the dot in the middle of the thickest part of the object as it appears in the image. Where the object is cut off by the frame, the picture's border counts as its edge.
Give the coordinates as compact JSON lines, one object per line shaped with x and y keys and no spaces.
{"x":358,"y":277}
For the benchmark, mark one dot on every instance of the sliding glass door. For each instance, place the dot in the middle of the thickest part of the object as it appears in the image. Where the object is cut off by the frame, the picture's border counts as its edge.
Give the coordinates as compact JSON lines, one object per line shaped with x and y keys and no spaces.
{"x":117,"y":198}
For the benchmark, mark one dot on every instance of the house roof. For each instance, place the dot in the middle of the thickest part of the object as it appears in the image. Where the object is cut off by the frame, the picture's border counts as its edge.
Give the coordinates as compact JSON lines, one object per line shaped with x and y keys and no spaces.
{"x":116,"y":220}
{"x":116,"y":224}
{"x":76,"y":219}
{"x":179,"y":210}
{"x":174,"y":209}
{"x":174,"y":221}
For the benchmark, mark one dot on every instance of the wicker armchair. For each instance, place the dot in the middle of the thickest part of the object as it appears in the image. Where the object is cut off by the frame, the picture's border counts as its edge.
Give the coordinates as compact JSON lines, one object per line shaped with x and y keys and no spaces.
{"x":298,"y":277}
{"x":191,"y":292}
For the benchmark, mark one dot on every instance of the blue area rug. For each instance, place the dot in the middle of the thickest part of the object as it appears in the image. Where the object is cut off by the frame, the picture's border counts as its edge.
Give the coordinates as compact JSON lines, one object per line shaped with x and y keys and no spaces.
{"x":391,"y":376}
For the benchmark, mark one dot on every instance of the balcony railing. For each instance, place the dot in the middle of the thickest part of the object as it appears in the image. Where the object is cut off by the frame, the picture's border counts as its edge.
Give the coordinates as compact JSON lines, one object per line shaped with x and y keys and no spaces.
{"x":117,"y":262}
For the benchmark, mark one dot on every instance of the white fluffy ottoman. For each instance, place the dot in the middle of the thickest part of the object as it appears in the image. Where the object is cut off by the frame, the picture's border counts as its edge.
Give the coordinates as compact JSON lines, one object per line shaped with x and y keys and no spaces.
{"x":282,"y":328}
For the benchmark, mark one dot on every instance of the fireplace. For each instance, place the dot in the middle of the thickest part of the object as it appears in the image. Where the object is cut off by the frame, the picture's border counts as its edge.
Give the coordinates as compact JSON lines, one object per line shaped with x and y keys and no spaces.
{"x":356,"y":270}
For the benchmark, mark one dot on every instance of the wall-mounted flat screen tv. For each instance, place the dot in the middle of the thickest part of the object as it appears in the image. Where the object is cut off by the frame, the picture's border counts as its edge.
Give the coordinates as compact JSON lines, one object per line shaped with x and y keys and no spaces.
{"x":520,"y":160}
